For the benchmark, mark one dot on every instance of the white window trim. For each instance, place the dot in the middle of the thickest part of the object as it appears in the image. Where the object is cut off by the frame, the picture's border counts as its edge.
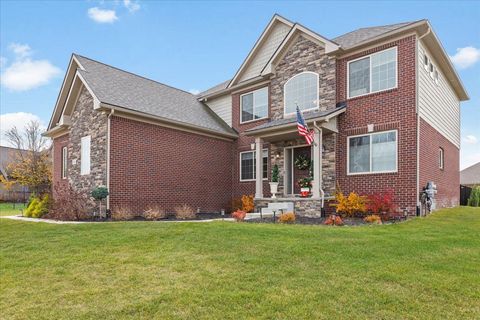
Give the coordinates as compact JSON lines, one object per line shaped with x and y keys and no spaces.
{"x":85,"y":171}
{"x":441,"y":158}
{"x":240,"y":165}
{"x":370,"y":172}
{"x":370,"y":61}
{"x":253,"y":95}
{"x":317,"y":95}
{"x":64,"y":162}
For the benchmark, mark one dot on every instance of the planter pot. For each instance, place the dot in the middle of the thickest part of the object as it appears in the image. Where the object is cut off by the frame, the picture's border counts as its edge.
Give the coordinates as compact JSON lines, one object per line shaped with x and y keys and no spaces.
{"x":273,"y":189}
{"x":304,"y":192}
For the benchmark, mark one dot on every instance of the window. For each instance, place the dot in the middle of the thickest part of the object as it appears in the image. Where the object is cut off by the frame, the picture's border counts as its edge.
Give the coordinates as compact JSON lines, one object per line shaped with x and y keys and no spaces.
{"x":431,"y":70}
{"x":301,"y":89}
{"x":254,"y":105}
{"x":441,"y":158}
{"x":85,"y":155}
{"x":248,"y":168}
{"x":374,"y":73}
{"x":372,"y":153}
{"x":64,"y":162}
{"x":435,"y":76}
{"x":426,"y":62}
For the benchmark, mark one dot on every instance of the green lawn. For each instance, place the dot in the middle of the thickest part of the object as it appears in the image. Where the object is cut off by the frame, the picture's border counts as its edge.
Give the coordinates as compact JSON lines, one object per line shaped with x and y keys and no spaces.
{"x":427,"y":268}
{"x":8,"y":209}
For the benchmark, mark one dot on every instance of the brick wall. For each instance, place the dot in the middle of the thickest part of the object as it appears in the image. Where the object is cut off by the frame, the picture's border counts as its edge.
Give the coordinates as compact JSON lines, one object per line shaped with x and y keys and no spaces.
{"x":392,"y":109}
{"x":447,"y":179}
{"x":58,"y":144}
{"x":156,"y":165}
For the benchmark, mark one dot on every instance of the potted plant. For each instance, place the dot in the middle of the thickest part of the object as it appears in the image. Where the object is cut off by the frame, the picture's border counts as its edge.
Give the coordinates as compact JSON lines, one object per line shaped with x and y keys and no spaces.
{"x":100,"y":193}
{"x":274,"y":183}
{"x":305,"y":186}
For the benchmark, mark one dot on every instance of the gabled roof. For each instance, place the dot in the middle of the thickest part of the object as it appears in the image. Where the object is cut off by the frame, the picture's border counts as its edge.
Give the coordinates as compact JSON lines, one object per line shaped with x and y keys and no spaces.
{"x":114,"y":87}
{"x":355,"y":37}
{"x":470,"y":175}
{"x":214,"y":89}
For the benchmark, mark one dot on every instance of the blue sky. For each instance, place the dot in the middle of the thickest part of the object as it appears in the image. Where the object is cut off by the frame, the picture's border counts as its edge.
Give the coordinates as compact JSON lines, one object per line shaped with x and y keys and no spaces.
{"x":195,"y":45}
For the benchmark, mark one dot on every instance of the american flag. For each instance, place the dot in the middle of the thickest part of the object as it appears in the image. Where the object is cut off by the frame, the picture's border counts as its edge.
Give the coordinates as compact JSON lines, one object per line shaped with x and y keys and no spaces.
{"x":303,"y":129}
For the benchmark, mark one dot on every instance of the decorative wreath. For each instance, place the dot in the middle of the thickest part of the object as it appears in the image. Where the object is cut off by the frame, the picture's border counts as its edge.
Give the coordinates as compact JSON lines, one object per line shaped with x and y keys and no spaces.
{"x":302,"y":162}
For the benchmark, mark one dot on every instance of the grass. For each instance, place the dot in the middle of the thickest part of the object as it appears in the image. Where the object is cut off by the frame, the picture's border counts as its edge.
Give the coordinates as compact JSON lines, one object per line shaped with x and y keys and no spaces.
{"x":427,"y":268}
{"x":9,"y":209}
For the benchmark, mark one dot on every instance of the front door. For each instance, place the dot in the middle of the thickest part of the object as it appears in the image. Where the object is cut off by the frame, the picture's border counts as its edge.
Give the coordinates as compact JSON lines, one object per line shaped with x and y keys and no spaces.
{"x":300,"y":172}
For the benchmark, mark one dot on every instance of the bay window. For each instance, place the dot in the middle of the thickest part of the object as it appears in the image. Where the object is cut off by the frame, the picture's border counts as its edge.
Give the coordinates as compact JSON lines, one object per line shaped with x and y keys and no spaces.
{"x":254,"y":105}
{"x":373,"y":73}
{"x":372,"y":153}
{"x":248,"y":168}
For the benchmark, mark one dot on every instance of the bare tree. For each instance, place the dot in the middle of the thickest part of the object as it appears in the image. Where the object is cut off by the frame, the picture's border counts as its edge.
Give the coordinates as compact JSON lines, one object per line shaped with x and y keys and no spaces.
{"x":31,"y":166}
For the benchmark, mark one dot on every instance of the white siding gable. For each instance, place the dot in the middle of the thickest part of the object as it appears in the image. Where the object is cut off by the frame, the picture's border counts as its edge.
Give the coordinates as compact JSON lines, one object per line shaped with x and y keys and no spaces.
{"x":222,"y":106}
{"x":265,"y":52}
{"x":437,"y":103}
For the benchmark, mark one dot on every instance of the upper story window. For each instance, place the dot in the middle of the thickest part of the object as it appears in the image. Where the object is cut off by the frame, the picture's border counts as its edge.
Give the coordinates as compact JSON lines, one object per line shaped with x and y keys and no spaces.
{"x":64,"y":163}
{"x":85,"y":155}
{"x":430,"y":68}
{"x":373,"y":73}
{"x":441,"y":158}
{"x":254,"y":105}
{"x":301,"y":89}
{"x":372,"y":153}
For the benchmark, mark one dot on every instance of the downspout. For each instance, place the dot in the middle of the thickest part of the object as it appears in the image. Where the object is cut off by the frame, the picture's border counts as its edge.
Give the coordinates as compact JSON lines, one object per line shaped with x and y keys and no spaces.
{"x":320,"y":180}
{"x":108,"y":156}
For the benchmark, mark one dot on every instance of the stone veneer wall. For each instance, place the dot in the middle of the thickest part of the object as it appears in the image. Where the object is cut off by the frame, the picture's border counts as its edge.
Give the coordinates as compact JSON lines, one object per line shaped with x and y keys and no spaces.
{"x":304,"y":55}
{"x":87,"y":121}
{"x":303,"y":206}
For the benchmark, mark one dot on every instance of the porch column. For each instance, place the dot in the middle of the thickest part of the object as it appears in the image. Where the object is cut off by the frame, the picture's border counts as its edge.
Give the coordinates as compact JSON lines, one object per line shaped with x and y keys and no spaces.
{"x":258,"y":168}
{"x":317,"y":163}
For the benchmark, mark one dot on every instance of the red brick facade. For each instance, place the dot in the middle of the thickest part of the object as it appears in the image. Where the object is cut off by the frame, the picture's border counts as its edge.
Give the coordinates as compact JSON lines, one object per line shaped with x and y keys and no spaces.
{"x":154,"y":165}
{"x":391,"y":109}
{"x":446,"y":179}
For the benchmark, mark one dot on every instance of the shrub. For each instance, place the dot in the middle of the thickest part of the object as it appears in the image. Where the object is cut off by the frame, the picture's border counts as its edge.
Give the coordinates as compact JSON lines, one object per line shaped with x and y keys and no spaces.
{"x":41,"y":208}
{"x":239,"y":215}
{"x":474,"y":199}
{"x":334,"y":220}
{"x":373,"y":218}
{"x":69,"y":204}
{"x":351,"y":205}
{"x":288,"y":217}
{"x":154,"y":213}
{"x":247,"y":203}
{"x":237,"y":204}
{"x":275,"y":173}
{"x":184,"y":212}
{"x":32,"y":205}
{"x":122,"y":214}
{"x":381,"y":203}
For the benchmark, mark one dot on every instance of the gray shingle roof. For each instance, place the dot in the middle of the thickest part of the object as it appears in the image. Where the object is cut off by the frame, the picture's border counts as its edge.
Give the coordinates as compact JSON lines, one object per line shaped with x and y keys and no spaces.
{"x":124,"y":89}
{"x":470,"y":175}
{"x":215,"y":88}
{"x":306,"y":116}
{"x":353,"y":38}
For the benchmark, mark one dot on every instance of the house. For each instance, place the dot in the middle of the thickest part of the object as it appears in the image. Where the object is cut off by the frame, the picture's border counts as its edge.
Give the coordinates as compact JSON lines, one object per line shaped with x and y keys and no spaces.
{"x":470,"y":177}
{"x":383,"y":102}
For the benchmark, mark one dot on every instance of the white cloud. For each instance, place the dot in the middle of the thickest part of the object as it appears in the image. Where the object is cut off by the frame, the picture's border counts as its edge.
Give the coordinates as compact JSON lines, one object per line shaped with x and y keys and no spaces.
{"x":470,"y":139}
{"x":3,"y":62}
{"x":102,"y":16}
{"x":25,"y":73}
{"x":465,"y":57}
{"x":194,"y":91}
{"x":20,"y":50}
{"x":17,"y":119}
{"x":132,"y":6}
{"x":28,"y":74}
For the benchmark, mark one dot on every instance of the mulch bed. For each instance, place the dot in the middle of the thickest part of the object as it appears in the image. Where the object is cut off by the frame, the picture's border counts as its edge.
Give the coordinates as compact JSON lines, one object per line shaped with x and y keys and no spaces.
{"x":199,"y":217}
{"x":315,"y":221}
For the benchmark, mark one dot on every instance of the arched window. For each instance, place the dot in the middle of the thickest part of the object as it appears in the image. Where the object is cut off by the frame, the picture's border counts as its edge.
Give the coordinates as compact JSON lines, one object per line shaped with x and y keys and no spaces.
{"x":301,"y":89}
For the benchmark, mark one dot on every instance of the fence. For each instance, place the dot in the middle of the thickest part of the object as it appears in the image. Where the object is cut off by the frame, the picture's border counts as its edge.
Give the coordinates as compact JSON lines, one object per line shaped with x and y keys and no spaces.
{"x":464,"y":195}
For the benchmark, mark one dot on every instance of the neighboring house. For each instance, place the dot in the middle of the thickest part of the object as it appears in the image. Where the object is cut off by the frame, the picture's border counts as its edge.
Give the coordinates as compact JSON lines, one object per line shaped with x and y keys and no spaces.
{"x":470,"y":177}
{"x":384,"y":103}
{"x":17,"y":192}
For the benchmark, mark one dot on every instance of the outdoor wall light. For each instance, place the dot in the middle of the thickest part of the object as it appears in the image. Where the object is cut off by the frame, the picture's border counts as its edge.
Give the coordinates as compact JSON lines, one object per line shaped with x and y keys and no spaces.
{"x":252,"y":146}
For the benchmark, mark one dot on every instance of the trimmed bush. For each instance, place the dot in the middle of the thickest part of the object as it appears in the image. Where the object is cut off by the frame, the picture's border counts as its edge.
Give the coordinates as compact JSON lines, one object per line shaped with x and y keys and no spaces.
{"x":239,"y":215}
{"x":373,"y":218}
{"x":288,"y":217}
{"x":184,"y":212}
{"x":154,"y":213}
{"x":122,"y":214}
{"x":334,"y":220}
{"x":33,"y":203}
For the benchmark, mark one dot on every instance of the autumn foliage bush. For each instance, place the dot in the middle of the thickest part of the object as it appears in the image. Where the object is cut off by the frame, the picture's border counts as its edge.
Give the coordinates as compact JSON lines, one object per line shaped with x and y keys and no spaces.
{"x":334,"y":220}
{"x":287,"y":217}
{"x":373,"y":218}
{"x":247,"y":203}
{"x":350,"y":205}
{"x":239,"y":215}
{"x":381,"y":203}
